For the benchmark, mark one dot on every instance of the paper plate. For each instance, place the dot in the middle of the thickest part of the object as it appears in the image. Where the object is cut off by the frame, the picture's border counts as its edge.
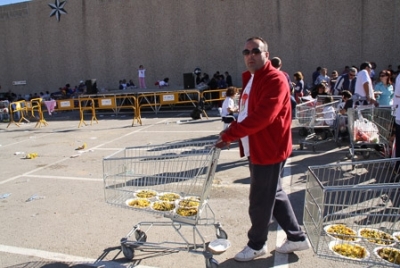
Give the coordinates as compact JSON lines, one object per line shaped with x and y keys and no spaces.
{"x":389,"y":254}
{"x":347,"y":233}
{"x":380,"y":238}
{"x":164,"y":206}
{"x":168,"y":196}
{"x":145,"y":193}
{"x":350,"y":246}
{"x":219,"y":245}
{"x":186,"y":211}
{"x":189,"y":202}
{"x":138,"y":202}
{"x":396,"y":236}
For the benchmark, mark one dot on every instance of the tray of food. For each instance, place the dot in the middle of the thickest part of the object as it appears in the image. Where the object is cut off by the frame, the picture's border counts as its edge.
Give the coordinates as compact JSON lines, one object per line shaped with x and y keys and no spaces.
{"x":376,"y":236}
{"x":189,"y":202}
{"x":341,"y":232}
{"x":146,"y":193}
{"x":388,"y":254}
{"x":138,"y":202}
{"x":186,"y":211}
{"x":349,"y":250}
{"x":163,"y":206}
{"x":168,"y":196}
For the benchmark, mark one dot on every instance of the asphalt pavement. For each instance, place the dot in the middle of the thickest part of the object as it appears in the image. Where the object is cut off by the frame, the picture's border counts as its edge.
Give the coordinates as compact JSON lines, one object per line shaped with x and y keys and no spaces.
{"x":53,"y":211}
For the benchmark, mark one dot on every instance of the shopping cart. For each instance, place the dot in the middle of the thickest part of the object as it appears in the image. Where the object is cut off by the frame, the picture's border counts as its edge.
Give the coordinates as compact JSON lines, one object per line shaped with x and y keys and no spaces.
{"x":314,"y":124}
{"x":362,"y":196}
{"x":365,"y":141}
{"x":172,"y":180}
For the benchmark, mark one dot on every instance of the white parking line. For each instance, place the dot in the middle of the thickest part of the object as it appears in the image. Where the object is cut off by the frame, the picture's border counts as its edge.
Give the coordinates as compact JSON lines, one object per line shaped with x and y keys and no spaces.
{"x":54,"y":256}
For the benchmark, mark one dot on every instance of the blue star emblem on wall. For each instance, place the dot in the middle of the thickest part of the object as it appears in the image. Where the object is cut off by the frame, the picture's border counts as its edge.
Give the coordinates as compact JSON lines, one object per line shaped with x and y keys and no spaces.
{"x":57,"y":9}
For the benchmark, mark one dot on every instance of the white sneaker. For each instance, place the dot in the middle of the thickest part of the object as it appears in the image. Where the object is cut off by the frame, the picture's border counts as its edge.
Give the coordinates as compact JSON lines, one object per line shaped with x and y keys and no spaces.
{"x":248,"y":254}
{"x":290,"y":246}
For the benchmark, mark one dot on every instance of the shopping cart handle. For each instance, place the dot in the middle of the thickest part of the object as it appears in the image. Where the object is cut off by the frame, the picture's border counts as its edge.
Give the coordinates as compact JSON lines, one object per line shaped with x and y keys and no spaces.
{"x":221,"y":144}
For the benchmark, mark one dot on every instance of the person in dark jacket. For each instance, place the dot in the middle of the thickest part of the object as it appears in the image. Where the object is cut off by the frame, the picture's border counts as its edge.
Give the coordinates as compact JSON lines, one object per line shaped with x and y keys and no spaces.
{"x":228,"y":79}
{"x":346,"y":81}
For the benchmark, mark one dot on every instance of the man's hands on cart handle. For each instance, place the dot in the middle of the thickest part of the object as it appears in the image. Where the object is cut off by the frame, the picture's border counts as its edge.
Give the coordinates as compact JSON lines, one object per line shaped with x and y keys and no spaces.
{"x":221,"y":144}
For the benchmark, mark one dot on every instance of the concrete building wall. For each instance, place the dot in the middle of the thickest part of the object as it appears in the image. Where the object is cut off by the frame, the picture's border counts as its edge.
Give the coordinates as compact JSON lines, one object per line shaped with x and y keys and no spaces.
{"x":109,"y":39}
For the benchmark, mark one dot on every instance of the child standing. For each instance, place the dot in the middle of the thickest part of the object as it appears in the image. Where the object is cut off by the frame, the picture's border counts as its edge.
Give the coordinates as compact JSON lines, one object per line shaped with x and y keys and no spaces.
{"x":142,"y":75}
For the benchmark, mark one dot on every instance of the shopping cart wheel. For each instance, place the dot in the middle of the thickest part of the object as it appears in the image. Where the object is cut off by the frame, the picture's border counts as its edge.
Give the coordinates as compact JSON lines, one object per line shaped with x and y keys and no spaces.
{"x":303,"y":132}
{"x":140,"y":236}
{"x":128,"y":252}
{"x":211,"y":263}
{"x":365,"y":154}
{"x":323,"y":135}
{"x":221,"y":234}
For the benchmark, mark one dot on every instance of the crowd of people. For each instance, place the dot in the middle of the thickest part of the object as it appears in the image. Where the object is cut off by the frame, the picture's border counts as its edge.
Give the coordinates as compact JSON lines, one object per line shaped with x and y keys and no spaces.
{"x":379,"y":87}
{"x":217,"y":81}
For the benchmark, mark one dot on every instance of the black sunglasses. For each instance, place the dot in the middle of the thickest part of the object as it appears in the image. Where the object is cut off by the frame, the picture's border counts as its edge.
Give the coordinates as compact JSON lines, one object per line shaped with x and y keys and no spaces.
{"x":254,"y":51}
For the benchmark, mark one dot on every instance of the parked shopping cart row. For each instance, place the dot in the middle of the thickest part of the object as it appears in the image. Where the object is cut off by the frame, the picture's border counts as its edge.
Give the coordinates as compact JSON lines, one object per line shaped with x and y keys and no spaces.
{"x":352,"y":208}
{"x":352,"y":212}
{"x":368,"y":128}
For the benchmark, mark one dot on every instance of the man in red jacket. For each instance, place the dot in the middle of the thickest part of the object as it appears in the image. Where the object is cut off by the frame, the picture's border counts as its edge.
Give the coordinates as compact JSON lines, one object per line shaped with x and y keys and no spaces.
{"x":264,"y":132}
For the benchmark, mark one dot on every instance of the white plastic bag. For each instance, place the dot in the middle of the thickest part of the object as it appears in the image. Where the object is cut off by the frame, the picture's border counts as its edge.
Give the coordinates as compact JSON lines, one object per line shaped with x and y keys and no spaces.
{"x":365,"y":131}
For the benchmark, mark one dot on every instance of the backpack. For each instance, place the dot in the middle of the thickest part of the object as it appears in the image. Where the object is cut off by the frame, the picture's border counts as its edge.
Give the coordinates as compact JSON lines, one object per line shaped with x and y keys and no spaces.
{"x":196,"y":113}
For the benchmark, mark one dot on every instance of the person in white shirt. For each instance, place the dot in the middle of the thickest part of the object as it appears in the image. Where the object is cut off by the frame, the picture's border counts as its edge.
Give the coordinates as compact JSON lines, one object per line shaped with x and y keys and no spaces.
{"x":229,"y":106}
{"x":364,"y":92}
{"x":142,"y":75}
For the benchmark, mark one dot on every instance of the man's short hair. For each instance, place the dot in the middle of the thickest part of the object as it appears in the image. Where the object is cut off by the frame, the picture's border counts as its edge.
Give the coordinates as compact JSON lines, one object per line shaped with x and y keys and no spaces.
{"x":262,"y":40}
{"x":365,"y":65}
{"x":276,"y":62}
{"x":353,"y":70}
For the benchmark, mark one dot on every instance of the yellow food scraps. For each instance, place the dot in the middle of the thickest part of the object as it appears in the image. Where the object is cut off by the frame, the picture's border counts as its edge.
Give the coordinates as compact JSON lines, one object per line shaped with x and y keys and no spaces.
{"x":350,"y":251}
{"x":31,"y":155}
{"x":163,"y":206}
{"x":146,"y":194}
{"x":139,"y":203}
{"x":342,"y":232}
{"x":82,"y":147}
{"x":377,"y":237}
{"x":389,"y":254}
{"x":169,"y":197}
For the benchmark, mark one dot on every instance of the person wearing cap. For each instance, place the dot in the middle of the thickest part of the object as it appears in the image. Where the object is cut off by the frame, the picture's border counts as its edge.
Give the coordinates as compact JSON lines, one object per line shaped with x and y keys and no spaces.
{"x":346,"y":81}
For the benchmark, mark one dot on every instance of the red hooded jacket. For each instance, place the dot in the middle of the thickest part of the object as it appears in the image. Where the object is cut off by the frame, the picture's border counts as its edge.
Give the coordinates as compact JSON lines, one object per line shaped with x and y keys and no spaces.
{"x":269,"y":118}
